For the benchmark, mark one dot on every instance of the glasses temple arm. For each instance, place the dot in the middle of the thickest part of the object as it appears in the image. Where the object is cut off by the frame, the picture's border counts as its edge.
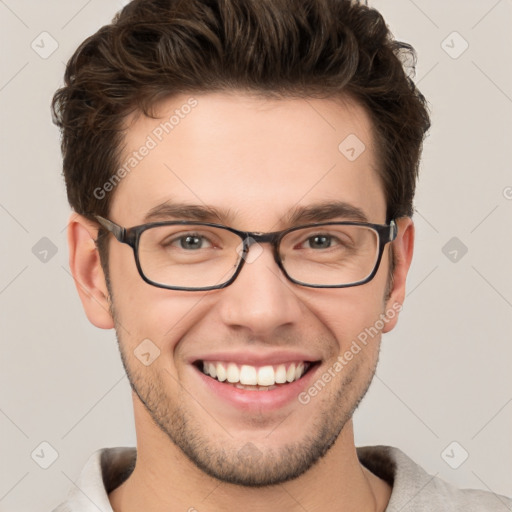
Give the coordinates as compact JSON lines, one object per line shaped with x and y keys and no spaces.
{"x":118,"y":231}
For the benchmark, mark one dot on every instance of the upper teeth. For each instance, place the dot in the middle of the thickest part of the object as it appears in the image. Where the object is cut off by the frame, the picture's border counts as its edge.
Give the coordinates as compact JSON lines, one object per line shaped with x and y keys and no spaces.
{"x":252,"y":375}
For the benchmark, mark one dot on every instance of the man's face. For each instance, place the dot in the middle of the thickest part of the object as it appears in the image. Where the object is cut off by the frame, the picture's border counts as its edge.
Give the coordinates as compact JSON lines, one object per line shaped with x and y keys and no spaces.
{"x":255,"y":162}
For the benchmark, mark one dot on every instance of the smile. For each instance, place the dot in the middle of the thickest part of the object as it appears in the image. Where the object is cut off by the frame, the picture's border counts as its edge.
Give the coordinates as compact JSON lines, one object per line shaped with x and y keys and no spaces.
{"x":254,"y":378}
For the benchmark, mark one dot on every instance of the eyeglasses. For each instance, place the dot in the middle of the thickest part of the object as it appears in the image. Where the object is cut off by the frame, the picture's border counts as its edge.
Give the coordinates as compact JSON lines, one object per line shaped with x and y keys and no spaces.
{"x":200,"y":256}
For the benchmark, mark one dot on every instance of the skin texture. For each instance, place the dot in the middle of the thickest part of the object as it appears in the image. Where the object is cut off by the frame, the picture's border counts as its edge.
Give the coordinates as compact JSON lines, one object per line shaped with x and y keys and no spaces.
{"x":254,"y":160}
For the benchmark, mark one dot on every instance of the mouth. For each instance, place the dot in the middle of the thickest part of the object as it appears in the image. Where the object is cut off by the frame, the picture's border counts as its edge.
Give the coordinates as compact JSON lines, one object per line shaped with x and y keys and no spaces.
{"x":255,"y":378}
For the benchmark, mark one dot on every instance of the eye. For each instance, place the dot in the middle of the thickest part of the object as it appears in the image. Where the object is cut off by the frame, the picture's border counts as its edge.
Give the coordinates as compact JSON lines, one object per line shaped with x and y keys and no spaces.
{"x":324,"y":241}
{"x":320,"y":242}
{"x":332,"y":239}
{"x":189,"y":242}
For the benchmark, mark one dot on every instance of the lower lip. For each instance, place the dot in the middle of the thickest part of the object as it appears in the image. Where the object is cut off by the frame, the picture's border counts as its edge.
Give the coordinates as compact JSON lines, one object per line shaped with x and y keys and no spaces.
{"x":252,"y":400}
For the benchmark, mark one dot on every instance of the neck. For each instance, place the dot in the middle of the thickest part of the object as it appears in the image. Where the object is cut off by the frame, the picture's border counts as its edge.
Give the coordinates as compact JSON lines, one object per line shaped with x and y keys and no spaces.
{"x":165,"y":480}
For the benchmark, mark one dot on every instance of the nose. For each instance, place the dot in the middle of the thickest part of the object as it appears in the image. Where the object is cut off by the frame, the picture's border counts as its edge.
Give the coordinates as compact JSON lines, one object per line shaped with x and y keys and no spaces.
{"x":260,"y":300}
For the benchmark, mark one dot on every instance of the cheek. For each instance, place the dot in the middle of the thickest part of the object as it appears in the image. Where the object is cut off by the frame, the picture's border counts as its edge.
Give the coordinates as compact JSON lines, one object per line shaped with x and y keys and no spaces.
{"x":144,"y":311}
{"x":351,"y":313}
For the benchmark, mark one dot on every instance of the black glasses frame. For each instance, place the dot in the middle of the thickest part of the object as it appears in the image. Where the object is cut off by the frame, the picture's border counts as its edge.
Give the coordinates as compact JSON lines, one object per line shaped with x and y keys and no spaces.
{"x":131,"y":236}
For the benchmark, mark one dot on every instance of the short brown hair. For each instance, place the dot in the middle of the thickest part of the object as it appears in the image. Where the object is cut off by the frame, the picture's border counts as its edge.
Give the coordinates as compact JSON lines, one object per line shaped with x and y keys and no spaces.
{"x":154,"y":49}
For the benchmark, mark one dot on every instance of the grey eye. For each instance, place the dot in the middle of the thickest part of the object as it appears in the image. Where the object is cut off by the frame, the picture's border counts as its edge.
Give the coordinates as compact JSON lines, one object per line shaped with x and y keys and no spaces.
{"x":320,"y":242}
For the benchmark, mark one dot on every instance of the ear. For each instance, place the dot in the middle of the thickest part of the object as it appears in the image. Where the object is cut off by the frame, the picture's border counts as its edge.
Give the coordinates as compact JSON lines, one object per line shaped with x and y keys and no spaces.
{"x":85,"y":266}
{"x":403,"y":248}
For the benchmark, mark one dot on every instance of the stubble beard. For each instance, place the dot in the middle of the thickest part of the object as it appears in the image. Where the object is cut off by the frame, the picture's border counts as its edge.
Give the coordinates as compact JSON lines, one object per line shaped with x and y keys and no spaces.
{"x":241,"y":462}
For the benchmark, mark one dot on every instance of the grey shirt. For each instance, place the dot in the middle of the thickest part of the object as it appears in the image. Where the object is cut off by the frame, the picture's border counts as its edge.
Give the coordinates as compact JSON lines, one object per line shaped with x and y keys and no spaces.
{"x":414,"y":490}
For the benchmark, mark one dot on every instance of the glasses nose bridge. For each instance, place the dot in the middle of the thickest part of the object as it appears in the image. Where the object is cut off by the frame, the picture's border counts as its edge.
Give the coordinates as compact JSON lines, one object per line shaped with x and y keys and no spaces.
{"x":251,"y":238}
{"x":262,"y":238}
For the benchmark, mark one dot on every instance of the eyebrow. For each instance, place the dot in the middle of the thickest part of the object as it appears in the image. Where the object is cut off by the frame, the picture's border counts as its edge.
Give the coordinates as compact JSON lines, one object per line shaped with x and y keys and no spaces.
{"x":182,"y":211}
{"x":325,"y":212}
{"x":319,"y":212}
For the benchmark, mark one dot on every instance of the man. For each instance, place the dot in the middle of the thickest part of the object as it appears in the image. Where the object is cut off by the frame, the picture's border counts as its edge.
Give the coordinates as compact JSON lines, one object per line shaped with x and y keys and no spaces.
{"x":242,"y":177}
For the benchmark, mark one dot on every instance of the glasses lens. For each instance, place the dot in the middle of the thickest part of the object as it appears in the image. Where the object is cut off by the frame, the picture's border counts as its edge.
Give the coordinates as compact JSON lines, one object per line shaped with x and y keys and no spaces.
{"x":189,"y":255}
{"x":330,"y":255}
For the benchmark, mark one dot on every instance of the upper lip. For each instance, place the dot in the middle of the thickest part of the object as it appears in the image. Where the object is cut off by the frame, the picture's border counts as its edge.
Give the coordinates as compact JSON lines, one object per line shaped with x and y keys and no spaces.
{"x":257,"y":358}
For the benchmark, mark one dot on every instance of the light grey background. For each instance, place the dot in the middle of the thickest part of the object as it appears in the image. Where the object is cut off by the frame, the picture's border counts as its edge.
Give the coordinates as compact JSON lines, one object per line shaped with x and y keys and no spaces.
{"x":445,"y":372}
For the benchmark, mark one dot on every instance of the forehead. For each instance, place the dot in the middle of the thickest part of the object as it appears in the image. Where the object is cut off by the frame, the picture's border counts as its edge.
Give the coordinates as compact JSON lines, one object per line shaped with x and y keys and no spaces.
{"x":254,"y":158}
